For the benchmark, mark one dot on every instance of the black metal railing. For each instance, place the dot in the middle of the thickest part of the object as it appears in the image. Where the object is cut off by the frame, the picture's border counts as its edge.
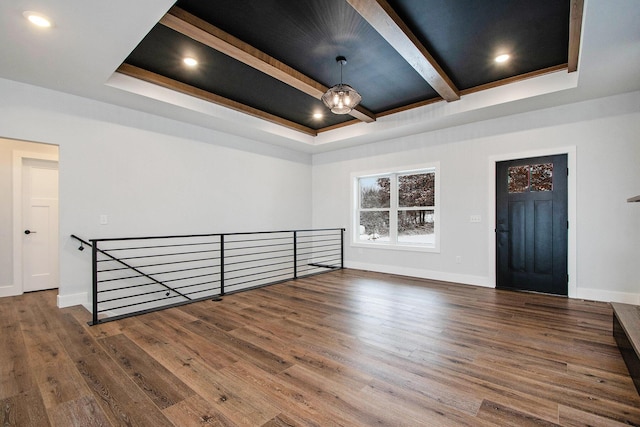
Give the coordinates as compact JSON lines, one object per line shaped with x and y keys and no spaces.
{"x":135,"y":275}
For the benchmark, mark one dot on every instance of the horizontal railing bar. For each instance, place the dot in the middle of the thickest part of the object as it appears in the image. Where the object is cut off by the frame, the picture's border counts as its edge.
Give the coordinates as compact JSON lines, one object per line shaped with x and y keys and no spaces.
{"x":161,"y":246}
{"x":289,"y":250}
{"x":256,"y":260}
{"x":158,"y":273}
{"x":198,"y":284}
{"x":162,"y":263}
{"x":159,"y":255}
{"x":317,"y":252}
{"x":154,"y":283}
{"x":320,"y":243}
{"x":318,"y":236}
{"x":257,"y":273}
{"x":325,"y":258}
{"x":257,"y":266}
{"x":254,"y":280}
{"x":211,"y":234}
{"x":330,"y":245}
{"x":311,"y":238}
{"x":266,"y":239}
{"x":255,"y":247}
{"x":311,"y":250}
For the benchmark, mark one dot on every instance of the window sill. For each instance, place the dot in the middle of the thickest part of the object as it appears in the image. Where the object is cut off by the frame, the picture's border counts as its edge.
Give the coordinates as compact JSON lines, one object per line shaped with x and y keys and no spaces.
{"x":411,"y":248}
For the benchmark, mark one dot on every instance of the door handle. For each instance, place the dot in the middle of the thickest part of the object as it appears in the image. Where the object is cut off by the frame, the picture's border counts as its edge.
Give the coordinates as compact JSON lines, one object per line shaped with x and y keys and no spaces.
{"x":29,"y":232}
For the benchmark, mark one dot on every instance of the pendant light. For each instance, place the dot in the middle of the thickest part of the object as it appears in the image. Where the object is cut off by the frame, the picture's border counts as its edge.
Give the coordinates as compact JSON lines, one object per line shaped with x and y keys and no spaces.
{"x":341,"y":98}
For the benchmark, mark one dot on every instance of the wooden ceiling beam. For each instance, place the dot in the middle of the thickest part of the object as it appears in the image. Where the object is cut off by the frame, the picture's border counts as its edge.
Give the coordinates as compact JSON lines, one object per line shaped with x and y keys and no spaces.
{"x":197,"y":29}
{"x":380,"y":15}
{"x":157,"y":79}
{"x":575,"y":30}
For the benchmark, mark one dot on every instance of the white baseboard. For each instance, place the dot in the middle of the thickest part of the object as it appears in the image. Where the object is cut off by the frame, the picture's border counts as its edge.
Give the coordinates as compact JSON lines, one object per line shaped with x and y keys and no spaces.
{"x":582,"y":293}
{"x":464,"y":279}
{"x":81,"y":298}
{"x":609,"y":296}
{"x":9,"y":291}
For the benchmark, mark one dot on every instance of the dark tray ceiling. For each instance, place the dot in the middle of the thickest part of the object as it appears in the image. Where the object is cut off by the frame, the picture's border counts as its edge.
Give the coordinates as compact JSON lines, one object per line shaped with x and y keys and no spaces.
{"x":463,"y":36}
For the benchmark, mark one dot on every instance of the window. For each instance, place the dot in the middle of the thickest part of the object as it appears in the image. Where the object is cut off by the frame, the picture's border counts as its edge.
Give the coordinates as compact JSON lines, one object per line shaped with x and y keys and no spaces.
{"x":397,"y":209}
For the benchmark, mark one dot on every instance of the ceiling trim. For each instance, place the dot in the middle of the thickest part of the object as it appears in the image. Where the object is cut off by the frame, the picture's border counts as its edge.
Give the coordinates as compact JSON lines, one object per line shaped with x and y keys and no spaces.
{"x":410,"y":106}
{"x":337,"y":126}
{"x":197,"y":29}
{"x":380,"y":15}
{"x":150,"y":77}
{"x":575,"y":31}
{"x":514,"y":79}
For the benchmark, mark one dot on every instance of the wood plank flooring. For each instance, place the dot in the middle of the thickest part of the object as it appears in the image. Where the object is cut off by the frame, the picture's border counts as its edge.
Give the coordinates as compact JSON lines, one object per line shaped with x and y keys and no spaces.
{"x":346,"y":348}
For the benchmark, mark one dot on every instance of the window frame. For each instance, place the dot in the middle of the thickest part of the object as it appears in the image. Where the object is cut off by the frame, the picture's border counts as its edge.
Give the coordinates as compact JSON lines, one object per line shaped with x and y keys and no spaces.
{"x":394,"y":209}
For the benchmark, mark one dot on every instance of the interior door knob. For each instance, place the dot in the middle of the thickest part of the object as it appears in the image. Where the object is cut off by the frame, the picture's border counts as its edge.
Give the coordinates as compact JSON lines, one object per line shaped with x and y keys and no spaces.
{"x":29,"y":232}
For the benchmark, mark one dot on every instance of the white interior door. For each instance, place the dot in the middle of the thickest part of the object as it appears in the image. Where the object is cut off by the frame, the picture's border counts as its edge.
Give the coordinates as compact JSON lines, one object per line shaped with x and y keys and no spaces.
{"x":40,"y":224}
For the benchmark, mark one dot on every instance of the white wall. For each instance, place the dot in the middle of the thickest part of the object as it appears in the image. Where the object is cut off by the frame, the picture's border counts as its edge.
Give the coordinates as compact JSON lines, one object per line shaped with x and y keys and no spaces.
{"x":7,"y":147}
{"x":151,"y":176}
{"x":605,"y":134}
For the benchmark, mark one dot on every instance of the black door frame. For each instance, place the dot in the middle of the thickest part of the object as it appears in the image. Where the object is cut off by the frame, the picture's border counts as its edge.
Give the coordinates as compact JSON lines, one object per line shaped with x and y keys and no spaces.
{"x":570,"y":151}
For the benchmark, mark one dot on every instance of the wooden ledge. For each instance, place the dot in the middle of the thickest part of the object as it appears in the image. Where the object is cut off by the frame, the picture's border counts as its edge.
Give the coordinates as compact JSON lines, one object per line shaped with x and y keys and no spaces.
{"x":626,"y":331}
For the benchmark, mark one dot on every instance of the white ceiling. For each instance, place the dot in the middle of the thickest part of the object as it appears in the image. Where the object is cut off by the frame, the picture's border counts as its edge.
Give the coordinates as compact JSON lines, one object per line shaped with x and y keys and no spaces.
{"x":91,"y":38}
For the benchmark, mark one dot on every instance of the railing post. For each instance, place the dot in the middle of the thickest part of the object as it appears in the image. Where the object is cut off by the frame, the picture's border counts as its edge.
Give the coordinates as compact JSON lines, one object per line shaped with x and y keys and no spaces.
{"x":221,"y":264}
{"x":94,"y":291}
{"x":295,"y":254}
{"x":342,"y":248}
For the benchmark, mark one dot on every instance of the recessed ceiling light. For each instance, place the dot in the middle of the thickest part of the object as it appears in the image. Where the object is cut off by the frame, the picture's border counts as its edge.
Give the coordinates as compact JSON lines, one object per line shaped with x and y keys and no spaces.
{"x":502,"y":58}
{"x":190,"y":62}
{"x":318,"y":115}
{"x":37,"y":19}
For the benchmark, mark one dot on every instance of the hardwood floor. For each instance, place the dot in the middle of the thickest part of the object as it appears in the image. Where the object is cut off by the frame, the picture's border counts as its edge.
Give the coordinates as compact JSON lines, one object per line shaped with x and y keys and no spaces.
{"x":347,"y":348}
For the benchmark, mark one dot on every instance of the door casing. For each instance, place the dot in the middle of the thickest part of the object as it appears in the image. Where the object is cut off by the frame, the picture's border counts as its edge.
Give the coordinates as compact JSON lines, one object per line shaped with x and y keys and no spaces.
{"x":18,"y":156}
{"x":570,"y":151}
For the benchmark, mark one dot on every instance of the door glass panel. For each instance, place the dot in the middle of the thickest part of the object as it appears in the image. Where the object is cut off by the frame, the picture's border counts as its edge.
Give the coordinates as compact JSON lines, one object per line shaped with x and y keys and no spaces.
{"x":518,"y":179}
{"x":542,"y":177}
{"x":522,"y":179}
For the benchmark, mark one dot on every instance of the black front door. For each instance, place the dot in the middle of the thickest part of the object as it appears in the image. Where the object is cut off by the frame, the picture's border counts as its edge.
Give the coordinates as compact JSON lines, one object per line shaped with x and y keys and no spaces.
{"x":531,"y":224}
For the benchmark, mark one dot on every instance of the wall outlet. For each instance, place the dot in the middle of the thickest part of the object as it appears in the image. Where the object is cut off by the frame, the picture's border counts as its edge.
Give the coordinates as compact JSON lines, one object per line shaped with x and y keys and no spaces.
{"x":475,"y":218}
{"x":458,"y":259}
{"x":104,"y":220}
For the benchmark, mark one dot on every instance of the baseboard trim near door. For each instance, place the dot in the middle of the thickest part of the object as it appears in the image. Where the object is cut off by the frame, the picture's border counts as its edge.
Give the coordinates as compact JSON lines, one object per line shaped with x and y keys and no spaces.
{"x":9,"y":291}
{"x":464,"y":279}
{"x":608,"y":296}
{"x":81,"y":298}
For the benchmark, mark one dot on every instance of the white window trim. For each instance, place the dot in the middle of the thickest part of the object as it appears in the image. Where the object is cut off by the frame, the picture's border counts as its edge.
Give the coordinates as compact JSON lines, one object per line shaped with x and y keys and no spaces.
{"x":354,"y":208}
